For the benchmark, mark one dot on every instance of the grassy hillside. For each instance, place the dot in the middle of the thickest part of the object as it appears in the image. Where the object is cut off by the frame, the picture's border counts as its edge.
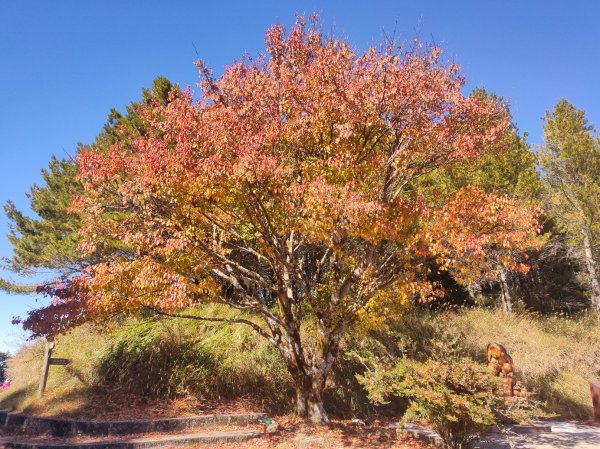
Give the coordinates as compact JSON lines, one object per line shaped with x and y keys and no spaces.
{"x":554,"y":357}
{"x":136,"y":361}
{"x":178,"y":365}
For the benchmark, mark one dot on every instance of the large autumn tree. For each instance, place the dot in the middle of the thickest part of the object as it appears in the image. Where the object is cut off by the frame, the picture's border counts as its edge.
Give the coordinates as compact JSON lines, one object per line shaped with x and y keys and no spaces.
{"x":295,"y":191}
{"x":570,"y":160}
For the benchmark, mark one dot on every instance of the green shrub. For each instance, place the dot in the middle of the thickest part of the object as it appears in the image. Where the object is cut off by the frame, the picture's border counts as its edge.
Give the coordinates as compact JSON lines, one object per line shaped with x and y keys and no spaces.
{"x":459,"y":397}
{"x":184,"y":358}
{"x":148,"y":363}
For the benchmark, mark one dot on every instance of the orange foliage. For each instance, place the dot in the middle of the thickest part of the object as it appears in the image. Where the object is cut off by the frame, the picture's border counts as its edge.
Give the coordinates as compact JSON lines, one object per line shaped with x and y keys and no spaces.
{"x":293,"y":185}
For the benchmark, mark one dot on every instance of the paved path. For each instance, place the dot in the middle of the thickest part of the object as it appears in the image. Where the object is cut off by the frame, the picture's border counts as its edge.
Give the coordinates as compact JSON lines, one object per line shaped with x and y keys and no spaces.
{"x":564,"y":435}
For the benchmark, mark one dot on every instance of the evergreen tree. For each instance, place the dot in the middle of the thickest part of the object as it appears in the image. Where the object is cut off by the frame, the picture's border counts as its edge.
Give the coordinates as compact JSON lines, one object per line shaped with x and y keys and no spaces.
{"x":512,"y":172}
{"x":47,"y":240}
{"x":570,"y":161}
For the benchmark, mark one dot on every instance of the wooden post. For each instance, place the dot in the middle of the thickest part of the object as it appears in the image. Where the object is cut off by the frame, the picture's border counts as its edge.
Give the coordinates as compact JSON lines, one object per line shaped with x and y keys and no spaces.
{"x":595,"y":390}
{"x":45,"y":367}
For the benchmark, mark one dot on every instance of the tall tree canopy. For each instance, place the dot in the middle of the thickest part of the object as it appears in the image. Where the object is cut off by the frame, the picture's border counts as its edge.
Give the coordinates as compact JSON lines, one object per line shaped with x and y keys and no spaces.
{"x":297,"y":188}
{"x":570,"y":160}
{"x":512,"y":172}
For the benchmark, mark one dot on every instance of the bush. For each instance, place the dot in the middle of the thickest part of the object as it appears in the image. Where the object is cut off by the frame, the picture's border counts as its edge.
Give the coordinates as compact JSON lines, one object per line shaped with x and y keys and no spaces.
{"x":146,"y":363}
{"x":180,"y":358}
{"x":459,"y":397}
{"x":554,"y":356}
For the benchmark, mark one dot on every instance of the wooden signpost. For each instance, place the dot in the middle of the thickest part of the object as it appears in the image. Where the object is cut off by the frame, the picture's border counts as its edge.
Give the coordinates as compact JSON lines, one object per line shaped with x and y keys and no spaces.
{"x":49,"y":360}
{"x":56,"y":361}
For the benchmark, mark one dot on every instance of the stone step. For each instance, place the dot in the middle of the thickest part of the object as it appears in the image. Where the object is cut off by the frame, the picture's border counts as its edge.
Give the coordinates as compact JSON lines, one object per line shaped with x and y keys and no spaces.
{"x":143,"y":442}
{"x":33,"y":425}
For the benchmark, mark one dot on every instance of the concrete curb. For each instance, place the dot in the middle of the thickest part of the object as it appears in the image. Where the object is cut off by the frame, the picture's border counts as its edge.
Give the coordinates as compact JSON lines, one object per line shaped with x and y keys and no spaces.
{"x":421,"y":433}
{"x":433,"y":438}
{"x":529,"y":428}
{"x":143,"y":443}
{"x":32,"y":425}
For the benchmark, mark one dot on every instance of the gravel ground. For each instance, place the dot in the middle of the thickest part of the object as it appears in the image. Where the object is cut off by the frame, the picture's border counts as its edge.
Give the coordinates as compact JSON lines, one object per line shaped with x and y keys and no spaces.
{"x":564,"y":435}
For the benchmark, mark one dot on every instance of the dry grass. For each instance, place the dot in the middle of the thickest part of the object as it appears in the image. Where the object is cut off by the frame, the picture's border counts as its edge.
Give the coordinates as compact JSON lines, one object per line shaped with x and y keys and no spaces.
{"x":554,"y":357}
{"x":81,"y":389}
{"x":67,"y":386}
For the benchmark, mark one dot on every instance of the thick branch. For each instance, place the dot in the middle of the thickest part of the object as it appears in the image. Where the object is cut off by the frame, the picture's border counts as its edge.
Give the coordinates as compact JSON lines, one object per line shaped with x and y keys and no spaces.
{"x":253,"y":325}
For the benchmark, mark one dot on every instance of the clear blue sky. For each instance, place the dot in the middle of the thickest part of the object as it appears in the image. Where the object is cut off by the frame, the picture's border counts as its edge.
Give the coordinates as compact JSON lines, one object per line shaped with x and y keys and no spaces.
{"x":64,"y":64}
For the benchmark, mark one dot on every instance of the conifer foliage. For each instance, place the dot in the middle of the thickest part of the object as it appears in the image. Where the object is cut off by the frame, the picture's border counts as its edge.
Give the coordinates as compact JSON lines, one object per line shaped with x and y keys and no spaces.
{"x":570,"y":161}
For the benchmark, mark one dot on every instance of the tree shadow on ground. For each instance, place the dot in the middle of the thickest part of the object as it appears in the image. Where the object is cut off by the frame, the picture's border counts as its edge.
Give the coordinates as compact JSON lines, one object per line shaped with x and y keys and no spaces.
{"x":14,"y":398}
{"x":564,"y":435}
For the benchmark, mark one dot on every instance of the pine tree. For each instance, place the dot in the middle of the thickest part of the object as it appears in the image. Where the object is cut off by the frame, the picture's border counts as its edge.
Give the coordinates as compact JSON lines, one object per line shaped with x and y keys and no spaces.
{"x":47,"y":240}
{"x":570,"y":161}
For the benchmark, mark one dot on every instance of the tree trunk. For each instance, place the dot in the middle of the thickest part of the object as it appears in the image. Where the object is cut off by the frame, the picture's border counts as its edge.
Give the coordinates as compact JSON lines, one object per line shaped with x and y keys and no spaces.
{"x":310,"y":373}
{"x":592,"y":269}
{"x":471,"y":291}
{"x":507,"y":300}
{"x":309,"y":401}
